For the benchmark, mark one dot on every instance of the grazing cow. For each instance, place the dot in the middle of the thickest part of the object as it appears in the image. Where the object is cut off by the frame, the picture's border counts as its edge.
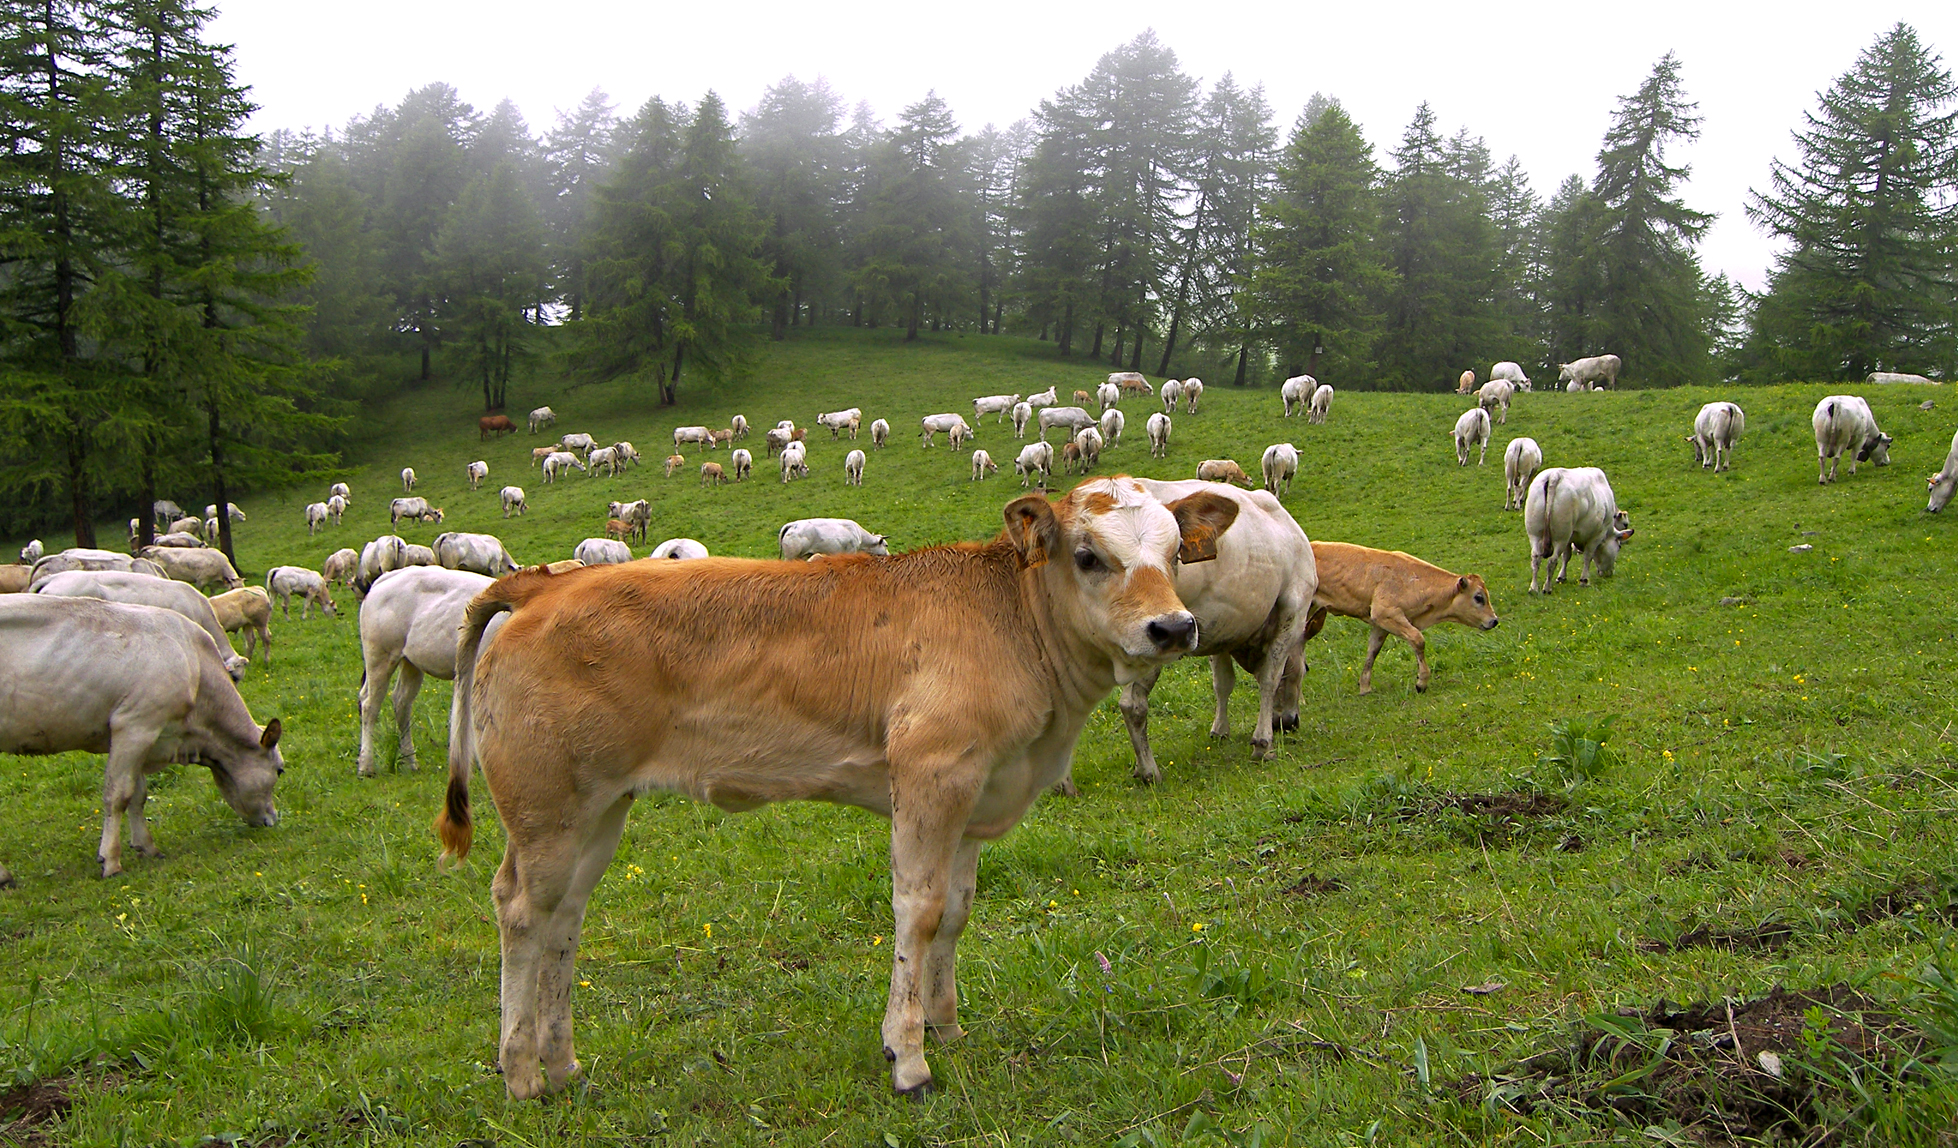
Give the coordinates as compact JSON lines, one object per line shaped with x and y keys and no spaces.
{"x":745,"y":462}
{"x":315,"y":518}
{"x":948,"y":720}
{"x":478,"y":471}
{"x":407,"y":478}
{"x":1322,"y":403}
{"x":618,"y":528}
{"x":1071,"y":457}
{"x":808,"y":537}
{"x":560,"y":462}
{"x":959,"y":435}
{"x":1171,"y":394}
{"x":231,"y":508}
{"x":1070,"y":419}
{"x":164,"y":510}
{"x":1715,"y":430}
{"x":1511,"y":373}
{"x":1046,"y":398}
{"x":679,"y":549}
{"x":775,"y":441}
{"x":1945,"y":480}
{"x":1022,"y":414}
{"x":1192,"y":391}
{"x":1496,"y":394}
{"x":1083,"y":398}
{"x":81,"y":558}
{"x":983,"y":465}
{"x":711,"y":474}
{"x":1589,"y":373}
{"x":1471,"y":430}
{"x":247,"y":610}
{"x":31,"y":553}
{"x":341,"y":489}
{"x":853,"y":468}
{"x":839,"y":421}
{"x":1294,"y":393}
{"x":195,"y":526}
{"x":795,"y":462}
{"x":578,"y":443}
{"x":1112,"y":423}
{"x":386,"y":553}
{"x":417,"y":509}
{"x":785,"y":424}
{"x":1109,"y":395}
{"x":605,"y":458}
{"x":1466,"y":383}
{"x":638,"y":515}
{"x":674,"y":462}
{"x":1520,"y":462}
{"x":1573,"y":508}
{"x":341,"y":566}
{"x":145,"y":686}
{"x":1131,"y":381}
{"x":739,"y":425}
{"x":880,"y":433}
{"x":542,"y":417}
{"x":1036,"y":458}
{"x":1089,"y":440}
{"x":495,"y":425}
{"x":1158,"y":427}
{"x":1278,"y":466}
{"x":1899,"y":377}
{"x":930,"y":426}
{"x":143,"y":590}
{"x":625,"y":452}
{"x":476,"y":553}
{"x":1395,"y":593}
{"x":200,"y":568}
{"x":415,"y":554}
{"x":1844,"y":424}
{"x":408,"y":624}
{"x":1224,"y":470}
{"x":180,"y":541}
{"x":601,"y":552}
{"x":282,"y":582}
{"x":335,"y":506}
{"x":513,"y":501}
{"x":700,"y":435}
{"x":721,"y":438}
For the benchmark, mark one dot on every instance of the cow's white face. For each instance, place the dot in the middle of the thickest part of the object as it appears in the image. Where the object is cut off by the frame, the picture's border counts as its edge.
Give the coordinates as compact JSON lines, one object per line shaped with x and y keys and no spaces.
{"x":1941,"y":485}
{"x":1615,"y":537}
{"x":245,"y":777}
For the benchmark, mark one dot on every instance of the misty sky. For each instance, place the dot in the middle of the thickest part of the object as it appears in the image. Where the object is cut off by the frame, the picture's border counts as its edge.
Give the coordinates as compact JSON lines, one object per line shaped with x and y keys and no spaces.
{"x":1535,"y":80}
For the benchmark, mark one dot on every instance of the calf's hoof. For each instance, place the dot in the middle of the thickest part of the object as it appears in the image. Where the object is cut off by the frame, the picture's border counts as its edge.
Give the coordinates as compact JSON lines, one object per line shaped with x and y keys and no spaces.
{"x":528,"y":1085}
{"x":110,"y":868}
{"x":1366,"y":688}
{"x":1288,"y":722}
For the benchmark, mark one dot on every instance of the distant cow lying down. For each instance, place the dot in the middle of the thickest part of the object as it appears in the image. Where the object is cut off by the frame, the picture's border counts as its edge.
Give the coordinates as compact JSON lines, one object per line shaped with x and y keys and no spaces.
{"x":950,"y":719}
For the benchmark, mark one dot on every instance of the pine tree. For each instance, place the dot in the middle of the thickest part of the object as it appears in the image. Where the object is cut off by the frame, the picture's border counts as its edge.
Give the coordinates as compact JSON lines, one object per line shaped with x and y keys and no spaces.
{"x":578,"y":154}
{"x":1056,"y":215}
{"x":917,"y":232}
{"x":1867,"y":279}
{"x":1573,"y":285}
{"x":491,"y":252}
{"x":793,"y":148}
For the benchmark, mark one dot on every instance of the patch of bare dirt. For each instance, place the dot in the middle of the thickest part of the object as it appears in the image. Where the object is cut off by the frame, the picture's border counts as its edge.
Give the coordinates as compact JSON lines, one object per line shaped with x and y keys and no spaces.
{"x":1927,"y":897}
{"x":27,"y":1109}
{"x":1515,"y":803}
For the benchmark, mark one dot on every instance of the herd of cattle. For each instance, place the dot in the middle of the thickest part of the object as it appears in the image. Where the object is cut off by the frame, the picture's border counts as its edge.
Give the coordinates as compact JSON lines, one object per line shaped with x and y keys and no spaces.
{"x":963,"y":673}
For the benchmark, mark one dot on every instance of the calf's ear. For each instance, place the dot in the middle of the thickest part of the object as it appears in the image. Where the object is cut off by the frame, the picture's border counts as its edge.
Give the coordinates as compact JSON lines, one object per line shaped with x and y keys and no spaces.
{"x":1033,"y":529}
{"x":1461,"y":585}
{"x":270,"y":737}
{"x":1201,"y":518}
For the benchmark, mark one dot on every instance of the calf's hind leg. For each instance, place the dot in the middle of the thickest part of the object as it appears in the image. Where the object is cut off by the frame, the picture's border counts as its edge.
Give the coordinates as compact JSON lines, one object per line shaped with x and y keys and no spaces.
{"x":941,"y":991}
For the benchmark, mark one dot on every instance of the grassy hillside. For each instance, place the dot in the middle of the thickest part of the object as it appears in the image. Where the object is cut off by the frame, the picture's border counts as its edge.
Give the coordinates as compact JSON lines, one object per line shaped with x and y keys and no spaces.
{"x":1281,"y":944}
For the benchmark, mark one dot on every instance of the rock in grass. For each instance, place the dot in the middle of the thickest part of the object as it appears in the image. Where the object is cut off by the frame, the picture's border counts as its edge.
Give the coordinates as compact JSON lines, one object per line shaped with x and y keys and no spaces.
{"x":1804,"y":548}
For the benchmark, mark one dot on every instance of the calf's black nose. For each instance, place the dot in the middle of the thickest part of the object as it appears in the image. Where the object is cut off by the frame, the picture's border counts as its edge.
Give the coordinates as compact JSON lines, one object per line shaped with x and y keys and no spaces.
{"x":1172,"y":632}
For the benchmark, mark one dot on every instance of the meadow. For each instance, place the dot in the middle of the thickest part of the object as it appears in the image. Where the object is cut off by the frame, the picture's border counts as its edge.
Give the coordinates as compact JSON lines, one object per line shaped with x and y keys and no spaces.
{"x":1275,"y":953}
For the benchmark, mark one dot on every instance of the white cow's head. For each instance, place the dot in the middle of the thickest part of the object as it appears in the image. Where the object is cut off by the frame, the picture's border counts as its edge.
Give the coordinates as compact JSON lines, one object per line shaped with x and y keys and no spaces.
{"x":1875,"y":448}
{"x":1616,"y":536}
{"x":245,"y":773}
{"x":1942,"y":484}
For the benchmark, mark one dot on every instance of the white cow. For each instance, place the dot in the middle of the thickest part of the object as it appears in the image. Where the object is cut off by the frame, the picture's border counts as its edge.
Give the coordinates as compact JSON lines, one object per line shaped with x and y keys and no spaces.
{"x":1192,"y":391}
{"x":679,"y":549}
{"x":1322,"y":403}
{"x":1070,"y":419}
{"x":1945,"y":480}
{"x":1046,"y":398}
{"x":1158,"y":427}
{"x":1171,"y":393}
{"x":386,"y":553}
{"x":581,"y":443}
{"x":1494,"y":394}
{"x":1899,"y":377}
{"x":983,"y":465}
{"x":478,"y":471}
{"x":336,"y":506}
{"x":625,"y":452}
{"x":930,"y":426}
{"x":476,"y":553}
{"x":31,"y":553}
{"x":1279,"y":464}
{"x":82,"y":558}
{"x":700,"y":435}
{"x":1520,"y":462}
{"x":542,"y":417}
{"x":1112,"y":423}
{"x":602,"y":552}
{"x":341,"y":489}
{"x":1589,"y":373}
{"x":143,"y":590}
{"x":315,"y":518}
{"x":745,"y":462}
{"x":146,"y":686}
{"x":1472,"y":430}
{"x":1001,"y":405}
{"x":560,"y":462}
{"x":638,"y":513}
{"x":1844,"y":424}
{"x":416,"y":508}
{"x":605,"y":458}
{"x":1090,"y":441}
{"x":180,"y":541}
{"x":839,"y":421}
{"x":853,"y":468}
{"x":1511,"y":373}
{"x":282,"y":582}
{"x":1036,"y":458}
{"x":1294,"y":393}
{"x":231,"y":508}
{"x":795,"y":461}
{"x":1573,"y":509}
{"x":415,"y":554}
{"x":1022,"y":414}
{"x":1715,"y":430}
{"x":407,"y":478}
{"x":167,"y":511}
{"x":408,"y":623}
{"x":808,"y":537}
{"x":341,"y":566}
{"x":200,"y":568}
{"x":1109,"y":395}
{"x":739,"y":425}
{"x":880,"y":432}
{"x":513,"y":501}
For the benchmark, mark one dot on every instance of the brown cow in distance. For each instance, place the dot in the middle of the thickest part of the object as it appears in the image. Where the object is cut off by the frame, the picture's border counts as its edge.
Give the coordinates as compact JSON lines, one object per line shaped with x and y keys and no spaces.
{"x":1395,"y":593}
{"x":495,"y":424}
{"x":949,"y":714}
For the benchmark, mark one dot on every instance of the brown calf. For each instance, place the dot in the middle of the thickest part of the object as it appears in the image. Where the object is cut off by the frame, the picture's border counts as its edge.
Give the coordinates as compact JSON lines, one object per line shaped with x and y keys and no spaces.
{"x":540,"y":453}
{"x":1083,"y":398}
{"x":1224,"y":470}
{"x":674,"y":462}
{"x":495,"y":424}
{"x":618,"y":528}
{"x":1395,"y":593}
{"x":711,"y":474}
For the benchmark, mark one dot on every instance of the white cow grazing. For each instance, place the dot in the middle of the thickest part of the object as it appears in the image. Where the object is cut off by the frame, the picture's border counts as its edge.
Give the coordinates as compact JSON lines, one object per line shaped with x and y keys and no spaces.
{"x":1158,"y":427}
{"x":1322,"y":403}
{"x":1900,"y":377}
{"x":341,"y":489}
{"x":1520,"y":462}
{"x":235,"y":514}
{"x":1573,"y":509}
{"x":341,"y":566}
{"x":542,"y":417}
{"x":1471,"y":430}
{"x":679,"y":549}
{"x":513,"y":501}
{"x":559,"y":463}
{"x":386,"y":553}
{"x":605,"y":458}
{"x":1494,"y":394}
{"x":200,"y":568}
{"x":808,"y":537}
{"x":880,"y":432}
{"x":282,"y":582}
{"x":1036,"y":458}
{"x":579,"y":443}
{"x":1844,"y":424}
{"x":853,"y":468}
{"x":1945,"y":480}
{"x":195,"y":526}
{"x":959,"y":435}
{"x":1090,"y":442}
{"x":476,"y":553}
{"x":144,"y":685}
{"x":31,"y":553}
{"x":795,"y":462}
{"x":931,"y":425}
{"x":840,"y":421}
{"x":1294,"y":393}
{"x":416,"y":508}
{"x":1591,"y":372}
{"x":167,"y":511}
{"x":1046,"y":398}
{"x":407,"y":478}
{"x":745,"y":462}
{"x":82,"y":558}
{"x":983,"y":465}
{"x":1279,"y":464}
{"x":180,"y":541}
{"x":408,"y":623}
{"x":1192,"y":391}
{"x":143,"y":590}
{"x":415,"y":554}
{"x":1109,"y":395}
{"x":1070,"y":419}
{"x":1022,"y":414}
{"x":336,"y":506}
{"x":625,"y":452}
{"x":638,"y":513}
{"x":1715,"y":430}
{"x":602,"y":552}
{"x":1511,"y":373}
{"x":478,"y":471}
{"x":1001,"y":405}
{"x":1170,"y":394}
{"x":315,"y":518}
{"x":700,"y":435}
{"x":1112,"y":423}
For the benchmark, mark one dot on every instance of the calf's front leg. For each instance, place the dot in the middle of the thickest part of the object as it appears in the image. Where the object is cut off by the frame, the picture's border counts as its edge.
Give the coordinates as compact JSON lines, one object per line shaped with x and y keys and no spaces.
{"x":927,"y":834}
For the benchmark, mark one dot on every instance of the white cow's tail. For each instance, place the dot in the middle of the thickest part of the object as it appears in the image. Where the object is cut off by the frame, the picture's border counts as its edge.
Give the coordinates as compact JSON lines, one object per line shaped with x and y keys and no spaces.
{"x":1550,"y":483}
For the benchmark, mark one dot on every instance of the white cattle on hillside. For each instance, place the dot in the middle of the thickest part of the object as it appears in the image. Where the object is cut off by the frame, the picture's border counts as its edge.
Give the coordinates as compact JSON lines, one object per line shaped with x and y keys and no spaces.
{"x":1322,"y":403}
{"x":602,"y":552}
{"x":282,"y":582}
{"x":1158,"y":427}
{"x":143,"y":590}
{"x":808,"y":537}
{"x":1715,"y":430}
{"x":679,"y":549}
{"x":1595,"y":373}
{"x":1295,"y":392}
{"x":1279,"y":464}
{"x":1844,"y":425}
{"x":542,"y":417}
{"x":408,"y":624}
{"x":1472,"y":430}
{"x":1573,"y":509}
{"x":1520,"y":462}
{"x":476,"y":553}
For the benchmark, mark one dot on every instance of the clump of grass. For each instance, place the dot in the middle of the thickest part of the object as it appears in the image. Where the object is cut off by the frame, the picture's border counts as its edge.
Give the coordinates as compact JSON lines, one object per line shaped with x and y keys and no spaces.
{"x":233,"y":1000}
{"x":1578,"y":750}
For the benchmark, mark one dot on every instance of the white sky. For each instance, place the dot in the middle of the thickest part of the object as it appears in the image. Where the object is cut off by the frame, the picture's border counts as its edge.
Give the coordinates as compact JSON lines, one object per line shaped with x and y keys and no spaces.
{"x":1538,"y":80}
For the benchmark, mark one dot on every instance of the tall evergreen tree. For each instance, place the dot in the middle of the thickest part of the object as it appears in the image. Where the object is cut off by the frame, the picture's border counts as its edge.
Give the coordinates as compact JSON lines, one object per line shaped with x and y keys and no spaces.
{"x":491,"y":251}
{"x":1056,"y":213}
{"x":794,"y":151}
{"x":916,"y":234}
{"x":426,"y":168}
{"x":1572,"y":288}
{"x":578,"y":154}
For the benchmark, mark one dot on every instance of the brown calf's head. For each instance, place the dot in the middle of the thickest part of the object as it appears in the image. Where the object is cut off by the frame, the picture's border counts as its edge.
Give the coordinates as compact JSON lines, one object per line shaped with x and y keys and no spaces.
{"x":1471,"y":606}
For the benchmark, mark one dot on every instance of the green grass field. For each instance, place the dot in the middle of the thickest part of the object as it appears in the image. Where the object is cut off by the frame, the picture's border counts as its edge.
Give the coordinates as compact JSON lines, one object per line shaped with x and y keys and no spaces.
{"x":1250,"y":952}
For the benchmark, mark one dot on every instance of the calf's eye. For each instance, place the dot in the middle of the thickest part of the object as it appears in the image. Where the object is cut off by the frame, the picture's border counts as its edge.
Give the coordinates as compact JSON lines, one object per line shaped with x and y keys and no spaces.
{"x":1085,"y":561}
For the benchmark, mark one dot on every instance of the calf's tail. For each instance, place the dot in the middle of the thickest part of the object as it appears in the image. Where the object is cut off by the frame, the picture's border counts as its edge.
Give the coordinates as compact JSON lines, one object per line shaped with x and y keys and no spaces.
{"x":454,"y":824}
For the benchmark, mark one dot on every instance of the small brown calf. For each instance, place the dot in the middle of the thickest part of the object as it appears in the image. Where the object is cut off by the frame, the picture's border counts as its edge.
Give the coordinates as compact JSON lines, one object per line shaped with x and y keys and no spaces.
{"x":1224,"y":470}
{"x":674,"y":462}
{"x":617,"y":528}
{"x":711,"y":474}
{"x":1395,"y":593}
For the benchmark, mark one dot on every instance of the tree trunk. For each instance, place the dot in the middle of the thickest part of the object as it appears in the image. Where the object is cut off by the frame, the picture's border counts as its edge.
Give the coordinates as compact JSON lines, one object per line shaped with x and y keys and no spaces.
{"x":78,"y":487}
{"x":911,"y":328}
{"x":1121,"y":336}
{"x":669,"y":387}
{"x":1135,"y":357}
{"x":146,"y":513}
{"x":1095,"y":351}
{"x":1066,"y":334}
{"x":999,"y":306}
{"x":425,"y":375}
{"x":856,"y":314}
{"x":1243,"y":354}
